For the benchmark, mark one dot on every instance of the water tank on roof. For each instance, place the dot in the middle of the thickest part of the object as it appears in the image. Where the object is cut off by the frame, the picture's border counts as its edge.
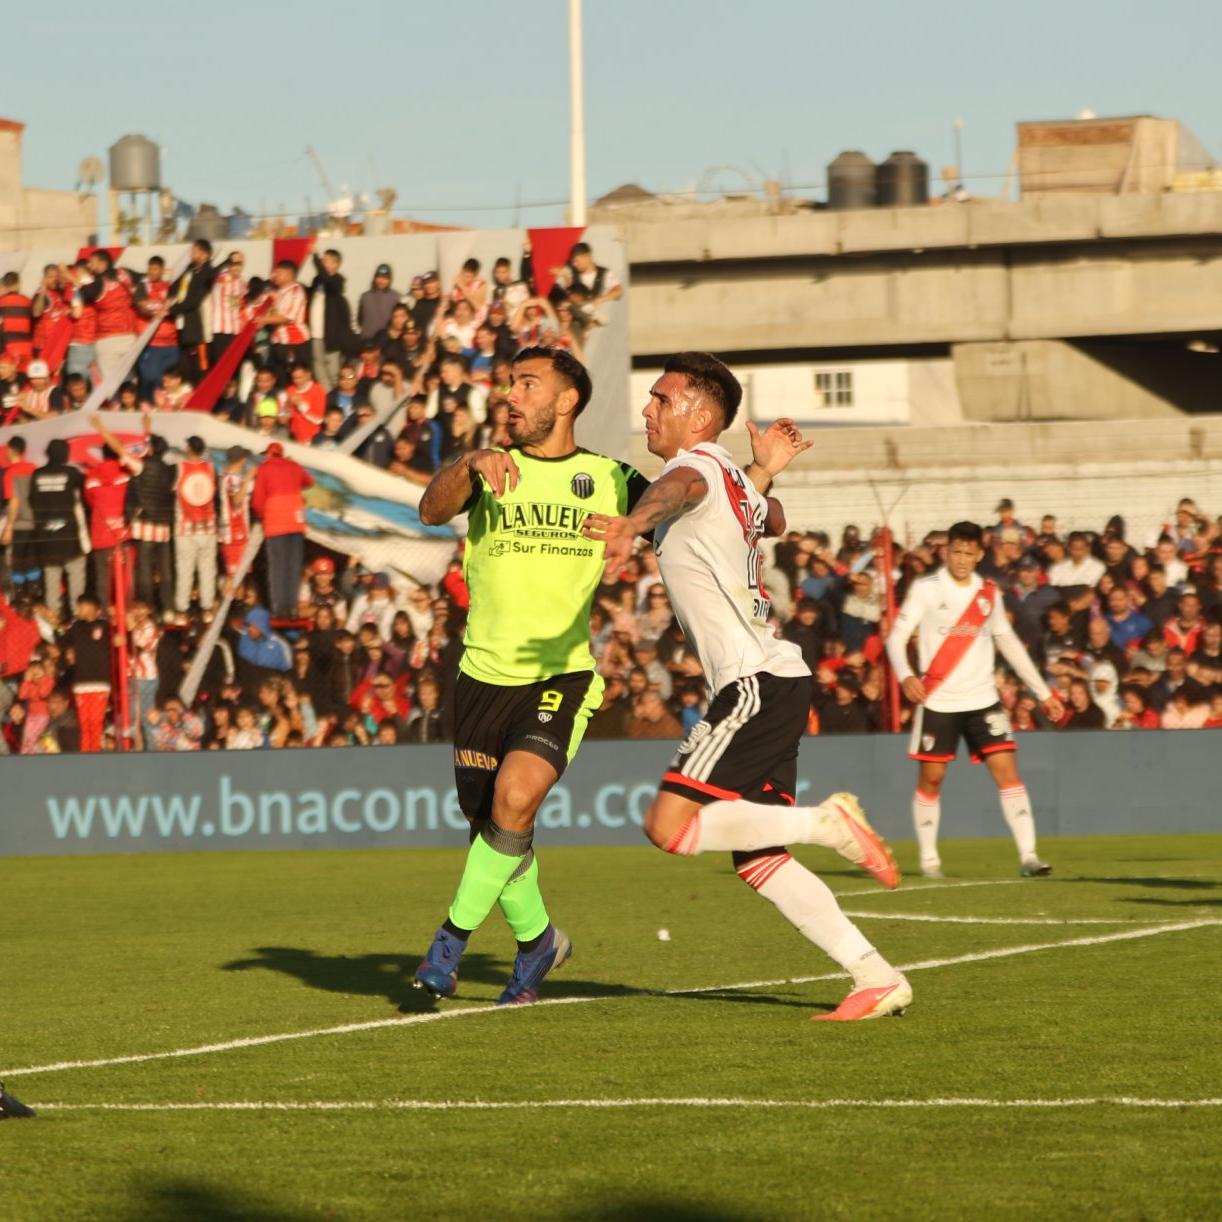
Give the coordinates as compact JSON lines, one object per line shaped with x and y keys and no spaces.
{"x":850,"y":181}
{"x":903,"y":181}
{"x":239,"y":224}
{"x":207,"y":223}
{"x":135,"y":164}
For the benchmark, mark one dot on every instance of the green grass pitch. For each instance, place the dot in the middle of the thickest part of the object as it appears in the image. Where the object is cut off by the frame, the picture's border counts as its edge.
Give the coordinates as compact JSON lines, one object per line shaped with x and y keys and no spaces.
{"x":1035,"y":991}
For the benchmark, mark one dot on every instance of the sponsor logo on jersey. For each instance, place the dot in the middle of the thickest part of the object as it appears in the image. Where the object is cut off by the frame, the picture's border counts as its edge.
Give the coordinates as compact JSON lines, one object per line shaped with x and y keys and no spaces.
{"x":545,"y":717}
{"x":700,"y":730}
{"x":539,"y":520}
{"x":983,"y":606}
{"x":582,"y":485}
{"x":474,"y":759}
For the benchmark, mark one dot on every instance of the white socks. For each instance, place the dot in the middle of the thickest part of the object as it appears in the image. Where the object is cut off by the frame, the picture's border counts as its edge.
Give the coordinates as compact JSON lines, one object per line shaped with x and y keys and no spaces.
{"x":741,"y":826}
{"x":806,"y":903}
{"x":926,"y":815}
{"x":1016,"y":807}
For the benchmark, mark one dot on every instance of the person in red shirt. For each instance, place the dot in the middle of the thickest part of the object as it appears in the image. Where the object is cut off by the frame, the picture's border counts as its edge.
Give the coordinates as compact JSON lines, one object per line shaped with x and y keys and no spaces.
{"x":306,"y":402}
{"x":83,"y":342}
{"x":1183,"y":630}
{"x":87,"y":647}
{"x":278,"y":500}
{"x":52,"y":310}
{"x":110,"y":294}
{"x":106,"y":499}
{"x":236,"y":480}
{"x":195,"y":528}
{"x":16,"y":320}
{"x":290,"y":338}
{"x":152,"y":301}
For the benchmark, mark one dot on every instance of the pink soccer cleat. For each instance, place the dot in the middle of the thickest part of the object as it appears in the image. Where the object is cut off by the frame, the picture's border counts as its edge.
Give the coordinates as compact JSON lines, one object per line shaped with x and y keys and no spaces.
{"x":877,"y":860}
{"x":870,"y":1003}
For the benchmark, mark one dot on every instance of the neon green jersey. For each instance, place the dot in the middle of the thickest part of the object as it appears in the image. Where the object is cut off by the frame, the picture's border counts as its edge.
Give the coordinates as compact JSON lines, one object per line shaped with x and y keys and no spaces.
{"x":531,"y":572}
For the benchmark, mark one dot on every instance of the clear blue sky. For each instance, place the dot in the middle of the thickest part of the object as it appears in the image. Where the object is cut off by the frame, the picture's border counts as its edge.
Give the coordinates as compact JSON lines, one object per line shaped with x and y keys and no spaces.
{"x":464,"y":107}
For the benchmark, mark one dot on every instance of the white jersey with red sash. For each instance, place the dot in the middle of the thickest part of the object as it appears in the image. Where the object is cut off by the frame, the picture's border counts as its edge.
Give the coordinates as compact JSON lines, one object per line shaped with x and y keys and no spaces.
{"x":957,"y":627}
{"x":196,"y":497}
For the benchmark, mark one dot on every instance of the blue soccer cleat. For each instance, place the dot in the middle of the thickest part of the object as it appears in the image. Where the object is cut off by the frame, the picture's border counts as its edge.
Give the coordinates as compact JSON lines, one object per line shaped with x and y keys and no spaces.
{"x":439,"y":971}
{"x":13,"y":1109}
{"x":531,"y":966}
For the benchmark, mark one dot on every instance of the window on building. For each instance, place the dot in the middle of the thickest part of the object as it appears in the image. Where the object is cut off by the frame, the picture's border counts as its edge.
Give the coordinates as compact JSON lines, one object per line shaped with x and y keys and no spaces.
{"x":834,"y":388}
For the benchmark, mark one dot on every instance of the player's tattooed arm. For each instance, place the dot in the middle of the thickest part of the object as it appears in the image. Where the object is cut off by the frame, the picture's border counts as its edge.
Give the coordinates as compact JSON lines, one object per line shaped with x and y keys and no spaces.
{"x":674,"y":494}
{"x":450,"y":489}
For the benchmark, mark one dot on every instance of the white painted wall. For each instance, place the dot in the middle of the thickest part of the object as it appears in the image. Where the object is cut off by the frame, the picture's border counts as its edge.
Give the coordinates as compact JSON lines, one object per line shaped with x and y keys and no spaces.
{"x":883,"y":392}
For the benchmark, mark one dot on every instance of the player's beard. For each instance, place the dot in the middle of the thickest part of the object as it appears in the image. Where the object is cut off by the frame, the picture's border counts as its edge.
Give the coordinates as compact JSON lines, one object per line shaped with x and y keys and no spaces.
{"x":531,"y":433}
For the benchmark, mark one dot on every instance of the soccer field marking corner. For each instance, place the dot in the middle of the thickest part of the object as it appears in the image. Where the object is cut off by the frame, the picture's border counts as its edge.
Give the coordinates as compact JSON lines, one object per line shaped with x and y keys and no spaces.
{"x":487,"y":1008}
{"x":507,"y":1105}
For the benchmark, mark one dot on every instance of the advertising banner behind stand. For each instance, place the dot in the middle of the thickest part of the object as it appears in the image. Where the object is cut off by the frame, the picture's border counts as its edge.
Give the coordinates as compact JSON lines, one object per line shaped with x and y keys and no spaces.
{"x":1081,"y":784}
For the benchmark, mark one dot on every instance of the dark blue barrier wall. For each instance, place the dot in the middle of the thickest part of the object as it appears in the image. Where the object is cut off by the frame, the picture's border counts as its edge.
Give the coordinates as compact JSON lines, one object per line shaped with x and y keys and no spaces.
{"x":1081,"y":784}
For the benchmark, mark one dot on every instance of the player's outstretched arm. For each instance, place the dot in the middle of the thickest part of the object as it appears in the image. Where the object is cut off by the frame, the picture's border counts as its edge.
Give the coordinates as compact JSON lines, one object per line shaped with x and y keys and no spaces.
{"x":773,"y":450}
{"x":667,"y":498}
{"x":450,"y":489}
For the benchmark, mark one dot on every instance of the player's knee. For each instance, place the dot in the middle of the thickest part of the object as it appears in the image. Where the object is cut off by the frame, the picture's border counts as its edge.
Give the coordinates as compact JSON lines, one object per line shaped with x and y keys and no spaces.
{"x":515,"y":805}
{"x":669,"y":830}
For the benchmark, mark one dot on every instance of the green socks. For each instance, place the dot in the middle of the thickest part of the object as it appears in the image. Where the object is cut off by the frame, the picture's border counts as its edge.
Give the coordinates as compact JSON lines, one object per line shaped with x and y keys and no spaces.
{"x":522,"y":902}
{"x":494,"y":857}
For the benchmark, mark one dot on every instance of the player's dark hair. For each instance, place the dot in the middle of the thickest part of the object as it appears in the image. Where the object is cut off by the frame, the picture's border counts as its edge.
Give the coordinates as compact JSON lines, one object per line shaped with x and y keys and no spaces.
{"x":11,"y":280}
{"x":471,"y":265}
{"x":156,"y":259}
{"x":105,"y":256}
{"x":202,"y":244}
{"x":710,"y":377}
{"x":288,"y":265}
{"x":965,"y":532}
{"x":16,"y":444}
{"x":567,"y":366}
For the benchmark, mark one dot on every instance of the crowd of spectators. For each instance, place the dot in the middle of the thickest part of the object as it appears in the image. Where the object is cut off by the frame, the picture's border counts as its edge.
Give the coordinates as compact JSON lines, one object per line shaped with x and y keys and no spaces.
{"x":1128,"y":633}
{"x":427,"y":364}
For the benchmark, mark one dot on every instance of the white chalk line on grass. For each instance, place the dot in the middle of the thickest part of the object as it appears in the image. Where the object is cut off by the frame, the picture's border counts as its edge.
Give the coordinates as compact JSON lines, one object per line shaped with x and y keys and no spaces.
{"x":508,"y":1105}
{"x":984,"y":920}
{"x":411,"y":1020}
{"x":913,"y":888}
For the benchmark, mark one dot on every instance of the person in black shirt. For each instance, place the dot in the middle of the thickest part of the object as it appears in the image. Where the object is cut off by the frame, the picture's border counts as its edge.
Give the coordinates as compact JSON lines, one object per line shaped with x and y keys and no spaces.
{"x":150,"y":507}
{"x":845,"y":714}
{"x":60,"y":527}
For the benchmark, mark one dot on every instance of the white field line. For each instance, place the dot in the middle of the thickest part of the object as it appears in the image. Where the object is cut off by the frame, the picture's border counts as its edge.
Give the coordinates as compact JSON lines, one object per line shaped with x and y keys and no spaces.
{"x":507,"y":1105}
{"x":412,"y":1020}
{"x":912,"y":888}
{"x":982,"y":920}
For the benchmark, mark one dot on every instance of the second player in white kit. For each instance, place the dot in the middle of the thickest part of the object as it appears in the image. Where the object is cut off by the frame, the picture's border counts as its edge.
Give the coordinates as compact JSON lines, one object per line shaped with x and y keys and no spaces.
{"x":961,"y":625}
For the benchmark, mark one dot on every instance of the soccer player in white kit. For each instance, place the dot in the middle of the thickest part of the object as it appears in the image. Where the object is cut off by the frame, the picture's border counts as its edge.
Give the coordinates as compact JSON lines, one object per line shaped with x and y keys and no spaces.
{"x":962,"y":624}
{"x":731,"y":785}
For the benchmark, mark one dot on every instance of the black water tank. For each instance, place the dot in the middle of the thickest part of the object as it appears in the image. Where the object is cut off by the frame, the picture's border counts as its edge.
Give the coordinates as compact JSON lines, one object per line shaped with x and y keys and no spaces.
{"x":903,"y":181}
{"x":850,"y":181}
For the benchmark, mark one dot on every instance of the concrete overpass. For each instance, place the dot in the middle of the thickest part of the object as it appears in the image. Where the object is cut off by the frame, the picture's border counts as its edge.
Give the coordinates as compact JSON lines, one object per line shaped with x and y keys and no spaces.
{"x":1066,"y":307}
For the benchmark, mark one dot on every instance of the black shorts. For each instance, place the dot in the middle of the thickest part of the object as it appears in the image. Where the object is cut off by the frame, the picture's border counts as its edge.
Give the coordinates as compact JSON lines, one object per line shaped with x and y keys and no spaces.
{"x":747,"y":744}
{"x":935,"y":736}
{"x":547,"y":719}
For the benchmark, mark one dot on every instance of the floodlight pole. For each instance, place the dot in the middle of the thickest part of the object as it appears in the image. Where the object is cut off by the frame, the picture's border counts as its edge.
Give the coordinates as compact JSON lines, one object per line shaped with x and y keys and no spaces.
{"x":577,"y":136}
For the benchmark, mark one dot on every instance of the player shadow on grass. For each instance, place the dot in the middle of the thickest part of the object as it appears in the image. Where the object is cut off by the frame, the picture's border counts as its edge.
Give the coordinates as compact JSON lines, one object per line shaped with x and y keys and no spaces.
{"x":1161,"y":901}
{"x":1177,"y":884}
{"x":191,"y":1201}
{"x":392,"y":976}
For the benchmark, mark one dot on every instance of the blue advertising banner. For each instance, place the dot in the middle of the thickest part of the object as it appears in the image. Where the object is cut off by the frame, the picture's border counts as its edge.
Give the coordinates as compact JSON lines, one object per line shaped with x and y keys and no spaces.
{"x":1080,"y":784}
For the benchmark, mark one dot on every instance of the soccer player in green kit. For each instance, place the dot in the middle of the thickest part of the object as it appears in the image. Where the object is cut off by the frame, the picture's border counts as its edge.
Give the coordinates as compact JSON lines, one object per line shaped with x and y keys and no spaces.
{"x":527,"y":682}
